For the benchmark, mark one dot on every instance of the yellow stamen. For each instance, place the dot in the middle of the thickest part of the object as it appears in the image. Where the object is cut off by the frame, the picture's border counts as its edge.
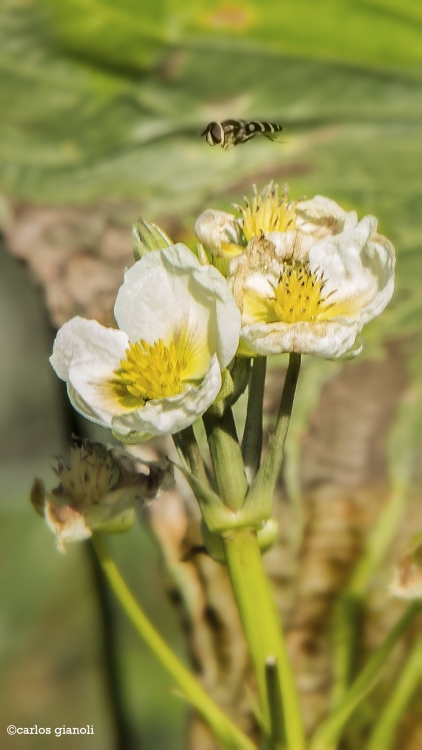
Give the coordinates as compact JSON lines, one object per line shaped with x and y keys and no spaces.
{"x":298,"y":295}
{"x":268,"y":213}
{"x":150,"y":371}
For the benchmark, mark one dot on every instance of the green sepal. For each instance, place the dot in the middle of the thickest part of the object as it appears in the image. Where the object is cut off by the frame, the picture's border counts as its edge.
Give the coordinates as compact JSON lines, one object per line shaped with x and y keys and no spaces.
{"x":227,"y":387}
{"x":147,"y":237}
{"x":119,"y":524}
{"x":235,"y":378}
{"x":115,"y":513}
{"x":222,"y":264}
{"x":133,"y":437}
{"x":240,"y":371}
{"x":202,"y":255}
{"x":217,"y":515}
{"x":266,"y":536}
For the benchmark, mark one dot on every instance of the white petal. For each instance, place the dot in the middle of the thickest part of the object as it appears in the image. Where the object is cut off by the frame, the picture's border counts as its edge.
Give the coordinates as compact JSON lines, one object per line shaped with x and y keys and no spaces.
{"x":327,"y":339}
{"x":322,"y":216}
{"x":86,"y":355}
{"x":169,"y":290}
{"x":169,"y":415}
{"x":66,"y":523}
{"x":358,"y":268}
{"x":291,"y":245}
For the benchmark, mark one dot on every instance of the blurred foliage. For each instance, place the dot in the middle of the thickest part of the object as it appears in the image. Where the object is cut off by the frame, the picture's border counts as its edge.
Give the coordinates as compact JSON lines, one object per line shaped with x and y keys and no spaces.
{"x":104,"y":101}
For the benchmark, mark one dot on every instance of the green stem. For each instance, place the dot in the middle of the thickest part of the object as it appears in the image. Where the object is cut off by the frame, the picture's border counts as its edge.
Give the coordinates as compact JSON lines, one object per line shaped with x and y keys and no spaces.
{"x":401,"y":453}
{"x":329,"y":732}
{"x":346,"y":624}
{"x":348,"y":611}
{"x":188,"y":449}
{"x":228,"y":735}
{"x":252,"y":436}
{"x":384,"y":732}
{"x":379,"y":540}
{"x":226,"y":458}
{"x":262,"y":630}
{"x":275,"y":704}
{"x":260,"y":498}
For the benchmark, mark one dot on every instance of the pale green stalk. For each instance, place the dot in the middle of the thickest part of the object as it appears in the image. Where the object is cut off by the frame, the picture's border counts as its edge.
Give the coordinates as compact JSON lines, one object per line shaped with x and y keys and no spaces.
{"x":400,"y":463}
{"x":328,"y":734}
{"x":227,"y":734}
{"x":348,"y":611}
{"x":410,"y":678}
{"x":261,"y":625}
{"x":350,"y":603}
{"x":252,"y":435}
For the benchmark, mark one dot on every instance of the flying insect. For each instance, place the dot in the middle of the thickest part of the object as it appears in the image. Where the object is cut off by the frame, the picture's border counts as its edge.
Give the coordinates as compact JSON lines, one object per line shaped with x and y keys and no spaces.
{"x":233,"y":132}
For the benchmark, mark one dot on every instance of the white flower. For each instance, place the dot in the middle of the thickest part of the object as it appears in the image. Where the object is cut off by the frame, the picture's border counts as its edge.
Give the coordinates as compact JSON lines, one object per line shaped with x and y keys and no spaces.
{"x":179,"y":327}
{"x":298,"y":294}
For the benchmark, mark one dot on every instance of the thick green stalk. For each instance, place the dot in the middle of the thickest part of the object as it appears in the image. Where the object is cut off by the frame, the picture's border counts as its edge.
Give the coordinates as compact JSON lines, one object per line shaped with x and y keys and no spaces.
{"x":227,"y":734}
{"x":329,"y":732}
{"x":252,"y":435}
{"x":226,"y":458}
{"x":383,"y":735}
{"x":262,"y":630}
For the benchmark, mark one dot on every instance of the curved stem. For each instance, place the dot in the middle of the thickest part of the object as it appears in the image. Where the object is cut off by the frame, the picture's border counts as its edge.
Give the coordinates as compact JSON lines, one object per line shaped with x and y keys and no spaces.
{"x":229,"y":736}
{"x":125,"y":735}
{"x":383,"y":734}
{"x":262,"y":630}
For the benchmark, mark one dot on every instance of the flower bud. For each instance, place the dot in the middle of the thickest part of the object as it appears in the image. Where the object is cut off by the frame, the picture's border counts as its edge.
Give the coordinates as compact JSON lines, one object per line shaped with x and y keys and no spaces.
{"x":220,"y":233}
{"x":147,"y":237}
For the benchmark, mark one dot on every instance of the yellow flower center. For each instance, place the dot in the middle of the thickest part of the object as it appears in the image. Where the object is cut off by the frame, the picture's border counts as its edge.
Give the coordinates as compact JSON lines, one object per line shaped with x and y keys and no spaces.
{"x":150,"y":371}
{"x":298,"y":295}
{"x":268,"y":213}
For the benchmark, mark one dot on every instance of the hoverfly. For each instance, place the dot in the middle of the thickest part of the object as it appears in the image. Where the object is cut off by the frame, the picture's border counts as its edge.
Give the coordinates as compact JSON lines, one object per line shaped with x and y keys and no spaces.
{"x":232,"y":132}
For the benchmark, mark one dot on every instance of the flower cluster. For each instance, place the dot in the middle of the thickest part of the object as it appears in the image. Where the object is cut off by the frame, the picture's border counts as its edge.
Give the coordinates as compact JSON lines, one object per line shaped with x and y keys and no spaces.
{"x":308,"y":276}
{"x":284,"y":276}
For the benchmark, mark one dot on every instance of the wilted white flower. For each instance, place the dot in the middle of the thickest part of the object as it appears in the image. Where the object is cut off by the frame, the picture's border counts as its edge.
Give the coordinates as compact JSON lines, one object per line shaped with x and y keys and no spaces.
{"x":97,"y":491}
{"x":407,"y":579}
{"x":179,"y":327}
{"x":225,"y":235}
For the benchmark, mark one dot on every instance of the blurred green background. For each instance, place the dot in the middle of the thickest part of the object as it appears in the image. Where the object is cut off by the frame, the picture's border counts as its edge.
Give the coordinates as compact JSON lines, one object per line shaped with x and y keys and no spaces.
{"x":101,"y":104}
